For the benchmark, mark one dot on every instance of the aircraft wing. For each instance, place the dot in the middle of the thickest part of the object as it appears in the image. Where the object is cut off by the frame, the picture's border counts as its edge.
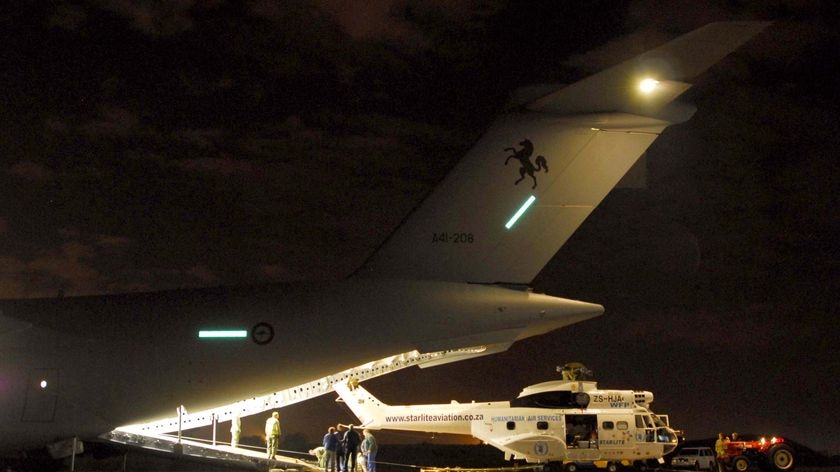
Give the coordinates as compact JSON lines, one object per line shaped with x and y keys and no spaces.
{"x":536,"y":175}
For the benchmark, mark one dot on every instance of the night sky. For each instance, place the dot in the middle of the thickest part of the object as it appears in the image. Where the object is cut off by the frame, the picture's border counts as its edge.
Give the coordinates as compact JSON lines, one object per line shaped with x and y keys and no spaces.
{"x":150,"y":145}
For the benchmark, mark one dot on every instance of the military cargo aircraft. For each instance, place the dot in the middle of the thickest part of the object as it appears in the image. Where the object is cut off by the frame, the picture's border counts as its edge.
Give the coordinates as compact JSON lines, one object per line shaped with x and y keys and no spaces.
{"x":451,"y":282}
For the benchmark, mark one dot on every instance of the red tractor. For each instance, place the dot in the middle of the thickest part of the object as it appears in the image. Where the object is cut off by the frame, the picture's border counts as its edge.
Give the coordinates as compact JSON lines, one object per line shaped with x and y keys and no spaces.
{"x":771,"y":455}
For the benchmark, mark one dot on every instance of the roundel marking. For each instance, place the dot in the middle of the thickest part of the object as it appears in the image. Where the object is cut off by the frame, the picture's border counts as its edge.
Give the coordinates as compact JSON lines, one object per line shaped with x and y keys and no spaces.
{"x":540,"y":448}
{"x":262,"y":333}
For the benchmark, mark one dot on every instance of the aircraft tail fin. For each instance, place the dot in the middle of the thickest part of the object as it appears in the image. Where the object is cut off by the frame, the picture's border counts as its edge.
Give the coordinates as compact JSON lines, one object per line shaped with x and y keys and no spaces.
{"x":367,"y":408}
{"x":509,"y":205}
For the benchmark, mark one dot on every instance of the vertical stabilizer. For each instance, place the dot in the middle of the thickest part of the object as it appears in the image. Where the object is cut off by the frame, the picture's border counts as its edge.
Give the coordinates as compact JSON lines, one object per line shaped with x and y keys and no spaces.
{"x":367,"y":408}
{"x":536,"y":175}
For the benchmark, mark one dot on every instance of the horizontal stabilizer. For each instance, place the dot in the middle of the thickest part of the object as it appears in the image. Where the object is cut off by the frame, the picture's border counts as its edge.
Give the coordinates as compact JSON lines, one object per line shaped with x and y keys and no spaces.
{"x":673,"y":63}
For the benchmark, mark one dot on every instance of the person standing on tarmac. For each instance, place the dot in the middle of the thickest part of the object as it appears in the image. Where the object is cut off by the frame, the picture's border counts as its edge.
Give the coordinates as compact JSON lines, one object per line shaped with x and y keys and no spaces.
{"x":720,"y":452}
{"x":340,"y":453}
{"x":351,"y":442}
{"x":272,"y":435}
{"x":235,"y":430}
{"x":330,"y":443}
{"x":369,"y":449}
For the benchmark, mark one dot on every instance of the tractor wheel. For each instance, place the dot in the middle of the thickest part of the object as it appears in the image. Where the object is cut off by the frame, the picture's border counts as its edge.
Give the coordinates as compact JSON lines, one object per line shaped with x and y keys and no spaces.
{"x":553,"y":467}
{"x":612,"y":467}
{"x":571,"y":467}
{"x":740,"y":464}
{"x":780,"y":458}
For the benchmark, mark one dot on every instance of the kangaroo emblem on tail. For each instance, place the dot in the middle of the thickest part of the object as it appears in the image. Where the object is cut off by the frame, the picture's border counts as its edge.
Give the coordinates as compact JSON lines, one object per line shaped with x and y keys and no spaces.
{"x":524,"y":157}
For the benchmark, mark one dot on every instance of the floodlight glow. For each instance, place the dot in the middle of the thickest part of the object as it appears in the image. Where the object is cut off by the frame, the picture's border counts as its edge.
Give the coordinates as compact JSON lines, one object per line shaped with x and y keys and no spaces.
{"x":521,"y":211}
{"x":221,"y":333}
{"x":648,"y":85}
{"x":43,"y":384}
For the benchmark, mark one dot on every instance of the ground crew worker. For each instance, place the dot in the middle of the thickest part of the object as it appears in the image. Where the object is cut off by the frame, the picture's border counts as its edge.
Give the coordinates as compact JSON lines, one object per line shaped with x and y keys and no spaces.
{"x":235,"y":430}
{"x":341,"y":452}
{"x":350,"y":441}
{"x":330,"y":443}
{"x":319,"y":453}
{"x":369,"y":449}
{"x":272,"y":434}
{"x":720,"y":452}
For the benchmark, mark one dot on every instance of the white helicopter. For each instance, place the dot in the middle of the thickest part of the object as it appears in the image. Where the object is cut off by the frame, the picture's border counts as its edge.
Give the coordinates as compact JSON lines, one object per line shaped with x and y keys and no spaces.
{"x":561,"y":423}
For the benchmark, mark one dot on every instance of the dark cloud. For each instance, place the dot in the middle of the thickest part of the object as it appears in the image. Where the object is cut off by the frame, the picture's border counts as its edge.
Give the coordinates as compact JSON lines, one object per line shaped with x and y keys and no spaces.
{"x":153,"y":17}
{"x":373,"y":19}
{"x":68,"y":266}
{"x":218,"y":166}
{"x":31,"y":171}
{"x":69,"y":17}
{"x":111,"y":122}
{"x":678,"y":15}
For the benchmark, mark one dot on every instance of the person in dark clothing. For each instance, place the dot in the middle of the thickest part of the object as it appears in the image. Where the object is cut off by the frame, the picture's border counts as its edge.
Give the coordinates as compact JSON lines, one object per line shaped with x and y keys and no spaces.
{"x":330,"y":444}
{"x":340,"y":453}
{"x":351,"y":441}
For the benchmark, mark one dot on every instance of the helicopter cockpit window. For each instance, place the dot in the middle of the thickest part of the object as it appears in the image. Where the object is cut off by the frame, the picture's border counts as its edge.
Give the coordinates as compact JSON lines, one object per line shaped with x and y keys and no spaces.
{"x":640,"y":422}
{"x":665,"y":435}
{"x":560,"y":399}
{"x":645,"y":424}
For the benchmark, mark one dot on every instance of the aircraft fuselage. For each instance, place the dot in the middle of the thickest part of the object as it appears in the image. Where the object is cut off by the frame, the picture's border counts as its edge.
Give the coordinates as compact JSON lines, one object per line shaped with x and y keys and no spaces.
{"x":83,"y":366}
